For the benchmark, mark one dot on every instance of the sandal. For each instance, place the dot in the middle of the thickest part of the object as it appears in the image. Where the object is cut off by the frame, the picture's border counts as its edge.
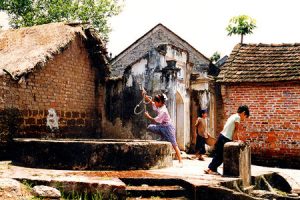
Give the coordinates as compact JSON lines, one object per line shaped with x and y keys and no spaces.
{"x":209,"y":171}
{"x":193,"y":157}
{"x":200,"y":158}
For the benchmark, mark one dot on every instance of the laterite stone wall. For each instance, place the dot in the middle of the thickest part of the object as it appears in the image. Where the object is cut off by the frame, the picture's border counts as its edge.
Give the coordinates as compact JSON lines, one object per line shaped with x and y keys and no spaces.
{"x":65,"y":88}
{"x":273,"y":129}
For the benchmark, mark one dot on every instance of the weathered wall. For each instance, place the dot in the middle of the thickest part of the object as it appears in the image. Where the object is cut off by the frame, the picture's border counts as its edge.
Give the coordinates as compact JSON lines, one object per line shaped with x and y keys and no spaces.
{"x":203,"y":97}
{"x":195,"y":107}
{"x":159,"y":35}
{"x":273,"y":128}
{"x":124,"y":94}
{"x":119,"y":118}
{"x":65,"y":89}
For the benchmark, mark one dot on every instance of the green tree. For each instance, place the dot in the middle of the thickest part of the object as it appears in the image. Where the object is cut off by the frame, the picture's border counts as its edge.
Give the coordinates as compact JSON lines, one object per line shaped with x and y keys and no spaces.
{"x":241,"y":25}
{"x":215,"y":57}
{"x":34,"y":12}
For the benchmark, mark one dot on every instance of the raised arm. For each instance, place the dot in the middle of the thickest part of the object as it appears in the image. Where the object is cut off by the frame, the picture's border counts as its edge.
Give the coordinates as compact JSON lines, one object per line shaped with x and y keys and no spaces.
{"x":146,"y":97}
{"x":235,"y":135}
{"x":197,"y":123}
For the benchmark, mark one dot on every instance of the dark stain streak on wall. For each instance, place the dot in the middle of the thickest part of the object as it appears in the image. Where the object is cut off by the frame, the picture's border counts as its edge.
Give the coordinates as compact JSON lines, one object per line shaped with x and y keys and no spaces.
{"x":121,"y":101}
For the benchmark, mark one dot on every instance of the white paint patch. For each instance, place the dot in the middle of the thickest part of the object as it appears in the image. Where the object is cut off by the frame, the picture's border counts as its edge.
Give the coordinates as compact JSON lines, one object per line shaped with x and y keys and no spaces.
{"x":139,"y":68}
{"x":201,"y":85}
{"x":163,"y":61}
{"x":129,"y":82}
{"x":176,"y":55}
{"x":52,"y":119}
{"x":204,"y":100}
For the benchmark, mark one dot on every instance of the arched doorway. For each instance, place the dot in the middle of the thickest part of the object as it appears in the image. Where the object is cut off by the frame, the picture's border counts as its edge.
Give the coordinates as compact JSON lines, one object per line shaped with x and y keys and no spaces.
{"x":180,"y":121}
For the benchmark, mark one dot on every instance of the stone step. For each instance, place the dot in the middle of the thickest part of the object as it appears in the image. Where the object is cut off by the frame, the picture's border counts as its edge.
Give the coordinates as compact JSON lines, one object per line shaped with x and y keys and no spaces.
{"x":155,"y":191}
{"x":155,"y":181}
{"x":161,"y":188}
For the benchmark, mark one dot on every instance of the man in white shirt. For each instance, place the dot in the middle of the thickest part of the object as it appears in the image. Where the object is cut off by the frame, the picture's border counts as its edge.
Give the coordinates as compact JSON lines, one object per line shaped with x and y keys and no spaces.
{"x":229,"y":133}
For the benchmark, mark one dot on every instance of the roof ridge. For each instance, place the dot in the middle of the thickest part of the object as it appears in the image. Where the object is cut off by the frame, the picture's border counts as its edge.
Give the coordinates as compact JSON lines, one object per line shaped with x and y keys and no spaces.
{"x":271,"y":44}
{"x":152,"y":30}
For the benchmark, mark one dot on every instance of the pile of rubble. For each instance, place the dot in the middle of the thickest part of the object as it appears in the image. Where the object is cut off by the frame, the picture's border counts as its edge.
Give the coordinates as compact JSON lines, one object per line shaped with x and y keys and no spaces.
{"x":11,"y":189}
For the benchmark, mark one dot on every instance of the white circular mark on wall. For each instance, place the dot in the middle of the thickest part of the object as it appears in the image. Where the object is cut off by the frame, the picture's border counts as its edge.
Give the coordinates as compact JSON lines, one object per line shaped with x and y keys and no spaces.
{"x":52,"y":119}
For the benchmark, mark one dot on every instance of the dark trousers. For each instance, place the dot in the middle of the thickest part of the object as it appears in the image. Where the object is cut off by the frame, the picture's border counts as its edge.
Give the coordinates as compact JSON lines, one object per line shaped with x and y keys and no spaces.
{"x":200,"y":145}
{"x":218,"y":157}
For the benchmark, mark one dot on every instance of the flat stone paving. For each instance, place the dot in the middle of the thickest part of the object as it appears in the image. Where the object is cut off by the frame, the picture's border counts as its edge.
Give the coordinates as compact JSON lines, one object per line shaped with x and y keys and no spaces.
{"x":192,"y":171}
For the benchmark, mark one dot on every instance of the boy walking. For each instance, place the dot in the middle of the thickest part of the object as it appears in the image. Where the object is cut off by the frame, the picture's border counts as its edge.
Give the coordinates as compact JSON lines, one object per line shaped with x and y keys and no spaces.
{"x":229,"y":133}
{"x":201,"y":134}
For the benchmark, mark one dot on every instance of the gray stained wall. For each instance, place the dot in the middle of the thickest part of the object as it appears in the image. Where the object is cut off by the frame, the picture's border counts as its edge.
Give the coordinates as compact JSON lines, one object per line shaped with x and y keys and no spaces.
{"x":146,"y":56}
{"x":152,"y":39}
{"x":122,"y":96}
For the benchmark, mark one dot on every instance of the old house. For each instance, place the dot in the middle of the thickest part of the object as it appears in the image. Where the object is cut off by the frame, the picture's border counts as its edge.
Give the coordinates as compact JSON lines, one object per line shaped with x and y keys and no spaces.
{"x":52,"y":80}
{"x":159,"y":61}
{"x":266,"y":77}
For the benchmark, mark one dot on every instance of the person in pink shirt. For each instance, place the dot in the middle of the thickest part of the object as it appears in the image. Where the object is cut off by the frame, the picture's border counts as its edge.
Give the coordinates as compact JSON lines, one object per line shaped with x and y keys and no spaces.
{"x":162,"y":122}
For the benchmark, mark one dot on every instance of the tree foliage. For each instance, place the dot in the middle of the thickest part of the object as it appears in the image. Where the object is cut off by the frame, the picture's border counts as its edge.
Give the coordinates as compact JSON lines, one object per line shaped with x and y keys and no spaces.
{"x":241,"y":25}
{"x":215,"y":57}
{"x":34,"y":12}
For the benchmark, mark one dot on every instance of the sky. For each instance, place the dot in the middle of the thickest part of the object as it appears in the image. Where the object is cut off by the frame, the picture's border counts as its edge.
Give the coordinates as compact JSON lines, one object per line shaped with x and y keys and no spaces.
{"x":202,"y":23}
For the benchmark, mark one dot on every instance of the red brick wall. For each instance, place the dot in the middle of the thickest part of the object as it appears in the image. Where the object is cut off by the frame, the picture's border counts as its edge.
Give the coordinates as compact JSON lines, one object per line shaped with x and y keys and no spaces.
{"x":67,"y":84}
{"x":273,"y":128}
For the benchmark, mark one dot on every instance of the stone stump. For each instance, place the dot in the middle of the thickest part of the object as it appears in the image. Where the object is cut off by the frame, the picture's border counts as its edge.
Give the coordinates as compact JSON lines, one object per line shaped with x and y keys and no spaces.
{"x":237,"y":161}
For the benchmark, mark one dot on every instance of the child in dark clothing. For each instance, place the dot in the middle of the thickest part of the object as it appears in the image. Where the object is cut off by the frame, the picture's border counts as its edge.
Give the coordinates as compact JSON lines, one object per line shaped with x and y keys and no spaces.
{"x":201,"y":134}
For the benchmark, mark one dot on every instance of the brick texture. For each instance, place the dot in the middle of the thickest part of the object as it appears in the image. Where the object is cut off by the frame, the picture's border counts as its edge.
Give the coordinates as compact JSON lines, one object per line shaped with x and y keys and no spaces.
{"x":273,"y":129}
{"x":67,"y":83}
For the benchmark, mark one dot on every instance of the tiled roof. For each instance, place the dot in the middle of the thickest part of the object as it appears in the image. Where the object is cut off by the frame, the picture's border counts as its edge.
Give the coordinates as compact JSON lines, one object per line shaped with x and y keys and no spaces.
{"x":262,"y":63}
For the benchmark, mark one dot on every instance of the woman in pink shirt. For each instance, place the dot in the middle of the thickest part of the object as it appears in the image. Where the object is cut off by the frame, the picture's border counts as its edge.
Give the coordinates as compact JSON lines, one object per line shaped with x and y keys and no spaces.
{"x":162,"y":122}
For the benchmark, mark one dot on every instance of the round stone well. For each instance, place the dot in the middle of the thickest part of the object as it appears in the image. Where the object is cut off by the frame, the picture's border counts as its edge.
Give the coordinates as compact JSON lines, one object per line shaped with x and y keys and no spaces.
{"x":92,"y":154}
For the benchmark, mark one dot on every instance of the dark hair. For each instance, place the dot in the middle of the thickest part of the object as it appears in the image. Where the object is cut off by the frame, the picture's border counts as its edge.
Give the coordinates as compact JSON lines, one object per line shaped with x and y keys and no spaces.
{"x":159,"y":98}
{"x":201,"y":112}
{"x":245,"y":109}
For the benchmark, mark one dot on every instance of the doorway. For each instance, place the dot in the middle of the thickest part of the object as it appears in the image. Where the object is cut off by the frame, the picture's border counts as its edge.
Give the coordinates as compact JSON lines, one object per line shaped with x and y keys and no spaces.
{"x":180,"y":121}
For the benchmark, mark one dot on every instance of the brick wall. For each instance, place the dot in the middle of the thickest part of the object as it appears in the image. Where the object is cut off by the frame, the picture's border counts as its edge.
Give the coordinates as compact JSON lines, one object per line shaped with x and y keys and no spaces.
{"x":67,"y":84}
{"x":273,"y":128}
{"x":219,"y":110}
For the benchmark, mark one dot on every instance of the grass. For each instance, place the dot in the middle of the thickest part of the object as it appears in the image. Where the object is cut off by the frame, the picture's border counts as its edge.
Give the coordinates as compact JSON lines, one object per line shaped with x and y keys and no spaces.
{"x":152,"y":197}
{"x":279,"y":192}
{"x":74,"y":195}
{"x":27,"y":184}
{"x":85,"y":196}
